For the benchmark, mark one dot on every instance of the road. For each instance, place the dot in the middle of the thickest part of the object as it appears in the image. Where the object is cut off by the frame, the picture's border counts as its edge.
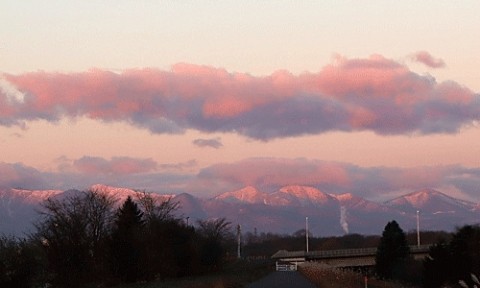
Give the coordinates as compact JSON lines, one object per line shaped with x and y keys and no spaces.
{"x":291,"y":279}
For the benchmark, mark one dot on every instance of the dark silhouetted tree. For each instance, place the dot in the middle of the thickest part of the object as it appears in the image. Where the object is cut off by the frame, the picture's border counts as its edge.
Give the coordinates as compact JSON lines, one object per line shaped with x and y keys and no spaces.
{"x":437,"y":266}
{"x":126,"y":241}
{"x":392,"y":252}
{"x":155,"y":210}
{"x":21,"y":263}
{"x":169,"y":244}
{"x":465,"y":254}
{"x":215,"y":235}
{"x":73,"y":233}
{"x":457,"y":260}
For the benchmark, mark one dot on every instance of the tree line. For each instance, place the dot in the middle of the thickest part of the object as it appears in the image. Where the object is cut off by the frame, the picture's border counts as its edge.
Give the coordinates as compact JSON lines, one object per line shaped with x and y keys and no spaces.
{"x":452,"y":261}
{"x":87,"y":238}
{"x":83,"y":238}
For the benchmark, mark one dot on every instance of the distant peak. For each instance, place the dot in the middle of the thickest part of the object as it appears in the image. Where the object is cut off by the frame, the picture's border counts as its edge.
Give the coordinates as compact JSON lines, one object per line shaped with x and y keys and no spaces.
{"x":302,"y":191}
{"x":344,"y":197}
{"x":247,"y":194}
{"x":424,"y":195}
{"x":430,"y":199}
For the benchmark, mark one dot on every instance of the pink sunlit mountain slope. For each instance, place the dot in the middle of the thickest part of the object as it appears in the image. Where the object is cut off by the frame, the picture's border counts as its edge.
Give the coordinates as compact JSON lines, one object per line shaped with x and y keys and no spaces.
{"x":436,"y":209}
{"x":430,"y":201}
{"x":281,"y":211}
{"x":353,"y":202}
{"x":248,"y":194}
{"x":297,"y":195}
{"x":18,"y":208}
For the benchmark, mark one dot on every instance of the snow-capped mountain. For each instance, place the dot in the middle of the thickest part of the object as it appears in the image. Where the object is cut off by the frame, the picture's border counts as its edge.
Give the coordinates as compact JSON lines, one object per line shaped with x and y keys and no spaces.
{"x":430,"y":201}
{"x":300,"y":196}
{"x":248,"y":194}
{"x":281,"y":211}
{"x":294,"y":195}
{"x":18,"y":209}
{"x":436,"y":209}
{"x":119,"y":195}
{"x":353,"y":202}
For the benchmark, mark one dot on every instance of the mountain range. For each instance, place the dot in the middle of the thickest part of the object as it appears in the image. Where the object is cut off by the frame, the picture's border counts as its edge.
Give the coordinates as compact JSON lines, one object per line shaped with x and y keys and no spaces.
{"x":283,"y":211}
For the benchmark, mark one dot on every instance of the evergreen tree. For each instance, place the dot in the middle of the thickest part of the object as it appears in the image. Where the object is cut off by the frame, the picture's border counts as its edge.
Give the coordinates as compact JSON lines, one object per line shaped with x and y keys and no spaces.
{"x":392,"y":252}
{"x":126,"y":241}
{"x":455,"y":261}
{"x":21,"y":263}
{"x":465,"y":254}
{"x":437,"y":267}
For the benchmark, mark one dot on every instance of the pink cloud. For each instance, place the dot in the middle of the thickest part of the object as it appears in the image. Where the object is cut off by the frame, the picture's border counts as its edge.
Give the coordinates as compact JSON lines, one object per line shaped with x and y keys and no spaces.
{"x":428,"y":60}
{"x":117,"y":165}
{"x":375,"y":94}
{"x":182,"y":166}
{"x":267,"y":174}
{"x":20,"y":176}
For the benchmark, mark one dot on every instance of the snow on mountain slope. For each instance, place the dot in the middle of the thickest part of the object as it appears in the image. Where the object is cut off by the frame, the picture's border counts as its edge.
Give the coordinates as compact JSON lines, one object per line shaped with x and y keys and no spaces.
{"x":293,"y":195}
{"x":351,"y":201}
{"x":307,"y":194}
{"x":27,"y":196}
{"x":430,"y":201}
{"x":18,"y":209}
{"x":248,"y":194}
{"x":121,"y":194}
{"x":296,"y":195}
{"x":282,"y":211}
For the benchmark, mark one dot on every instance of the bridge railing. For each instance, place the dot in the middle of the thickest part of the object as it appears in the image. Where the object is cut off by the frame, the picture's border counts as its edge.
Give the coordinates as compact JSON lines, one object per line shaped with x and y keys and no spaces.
{"x":341,"y":252}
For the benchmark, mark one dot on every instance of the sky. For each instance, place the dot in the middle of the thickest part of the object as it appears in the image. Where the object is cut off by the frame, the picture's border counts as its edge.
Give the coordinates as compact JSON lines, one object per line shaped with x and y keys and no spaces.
{"x":378,"y":98}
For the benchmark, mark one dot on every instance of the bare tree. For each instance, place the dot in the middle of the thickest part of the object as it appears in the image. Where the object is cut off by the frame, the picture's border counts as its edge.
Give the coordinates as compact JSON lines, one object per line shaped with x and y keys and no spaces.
{"x":73,"y":232}
{"x":99,"y":214}
{"x":217,"y":229}
{"x":153,"y":210}
{"x":215,"y":235}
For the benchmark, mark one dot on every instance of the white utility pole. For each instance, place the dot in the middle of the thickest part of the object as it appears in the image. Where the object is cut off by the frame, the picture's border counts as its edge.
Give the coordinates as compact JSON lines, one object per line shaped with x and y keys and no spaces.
{"x":418,"y":229}
{"x":306,"y":231}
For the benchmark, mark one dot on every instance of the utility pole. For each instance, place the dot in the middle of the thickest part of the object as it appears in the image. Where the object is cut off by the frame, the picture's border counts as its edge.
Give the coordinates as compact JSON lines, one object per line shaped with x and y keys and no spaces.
{"x":306,"y":232}
{"x":239,"y":241}
{"x":418,"y":229}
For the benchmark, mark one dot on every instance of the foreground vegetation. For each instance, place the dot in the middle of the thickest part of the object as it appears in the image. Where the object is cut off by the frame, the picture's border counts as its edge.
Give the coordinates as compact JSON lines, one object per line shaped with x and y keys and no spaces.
{"x":83,"y":240}
{"x":86,"y":240}
{"x":327,"y":277}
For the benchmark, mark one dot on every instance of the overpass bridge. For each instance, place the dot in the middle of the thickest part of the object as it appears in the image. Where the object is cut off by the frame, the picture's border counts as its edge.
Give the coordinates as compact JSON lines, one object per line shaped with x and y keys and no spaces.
{"x":343,"y":258}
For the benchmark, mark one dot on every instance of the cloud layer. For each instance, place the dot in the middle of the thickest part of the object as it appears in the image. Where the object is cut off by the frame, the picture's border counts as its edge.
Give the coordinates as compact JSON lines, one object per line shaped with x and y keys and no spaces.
{"x":212,"y":143}
{"x":117,"y":165}
{"x":428,"y":60}
{"x":376,"y":94}
{"x":267,"y":174}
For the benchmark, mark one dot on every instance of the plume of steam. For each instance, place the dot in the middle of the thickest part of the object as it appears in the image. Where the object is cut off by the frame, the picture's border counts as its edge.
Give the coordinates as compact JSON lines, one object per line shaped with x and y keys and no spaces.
{"x":343,"y":219}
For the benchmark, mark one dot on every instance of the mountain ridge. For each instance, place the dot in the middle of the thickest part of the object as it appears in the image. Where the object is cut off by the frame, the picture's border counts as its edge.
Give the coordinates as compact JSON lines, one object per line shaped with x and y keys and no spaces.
{"x":280,"y":211}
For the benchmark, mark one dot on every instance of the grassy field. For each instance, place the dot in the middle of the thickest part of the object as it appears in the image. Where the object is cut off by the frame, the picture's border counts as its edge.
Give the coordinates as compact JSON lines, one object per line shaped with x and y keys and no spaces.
{"x":326,"y":277}
{"x":235,"y":275}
